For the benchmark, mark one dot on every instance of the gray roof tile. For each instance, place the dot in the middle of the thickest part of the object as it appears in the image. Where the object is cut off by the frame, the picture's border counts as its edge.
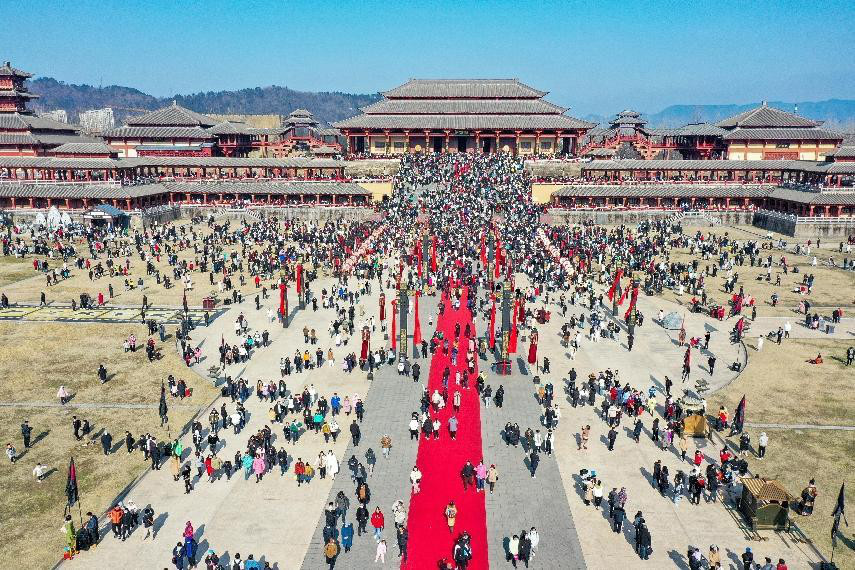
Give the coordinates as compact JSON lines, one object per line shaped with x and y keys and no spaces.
{"x":765,"y":116}
{"x":465,"y":88}
{"x":463,"y":122}
{"x":172,"y":116}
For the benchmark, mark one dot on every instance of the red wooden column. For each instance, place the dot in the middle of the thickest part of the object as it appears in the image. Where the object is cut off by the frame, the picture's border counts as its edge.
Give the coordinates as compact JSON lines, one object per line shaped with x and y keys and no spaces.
{"x":427,"y":142}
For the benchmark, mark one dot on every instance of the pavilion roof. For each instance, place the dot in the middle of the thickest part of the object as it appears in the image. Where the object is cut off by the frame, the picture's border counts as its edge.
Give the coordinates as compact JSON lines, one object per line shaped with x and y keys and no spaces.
{"x":167,"y":132}
{"x":700,"y":130}
{"x":462,"y":106}
{"x":7,"y":70}
{"x":766,"y":489}
{"x":463,"y":122}
{"x":782,"y":133}
{"x":166,"y":161}
{"x":766,"y":117}
{"x":464,"y":88}
{"x":172,"y":116}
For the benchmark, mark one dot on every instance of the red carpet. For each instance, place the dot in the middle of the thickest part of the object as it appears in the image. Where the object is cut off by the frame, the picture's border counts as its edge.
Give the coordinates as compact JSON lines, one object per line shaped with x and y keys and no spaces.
{"x":441,"y":461}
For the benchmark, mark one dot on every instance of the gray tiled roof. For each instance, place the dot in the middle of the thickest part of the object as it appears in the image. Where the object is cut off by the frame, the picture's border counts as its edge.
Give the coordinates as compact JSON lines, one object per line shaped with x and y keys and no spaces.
{"x":224,"y":162}
{"x":463,"y":122}
{"x":59,"y":138}
{"x":7,"y":70}
{"x":280,"y":188}
{"x":27,"y":121}
{"x":668,"y":191}
{"x":16,"y":93}
{"x":689,"y":165}
{"x":462,"y":106}
{"x":133,"y":132}
{"x":700,"y":129}
{"x":167,"y":161}
{"x":809,"y":133}
{"x":229,"y":128}
{"x":60,"y":191}
{"x":843,"y":152}
{"x":172,"y":116}
{"x":818,"y":198}
{"x":84,"y":148}
{"x":464,"y":88}
{"x":765,"y":116}
{"x":18,"y":139}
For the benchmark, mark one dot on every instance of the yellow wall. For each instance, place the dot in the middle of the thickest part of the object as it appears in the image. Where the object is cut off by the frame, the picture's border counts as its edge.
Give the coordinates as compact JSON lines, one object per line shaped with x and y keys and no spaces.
{"x":377,"y":189}
{"x":542,"y":193}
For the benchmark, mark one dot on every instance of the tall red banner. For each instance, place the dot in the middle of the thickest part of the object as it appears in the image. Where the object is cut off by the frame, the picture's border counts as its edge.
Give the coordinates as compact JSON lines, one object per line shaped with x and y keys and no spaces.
{"x":433,"y":255}
{"x":394,"y":324}
{"x":512,"y":340}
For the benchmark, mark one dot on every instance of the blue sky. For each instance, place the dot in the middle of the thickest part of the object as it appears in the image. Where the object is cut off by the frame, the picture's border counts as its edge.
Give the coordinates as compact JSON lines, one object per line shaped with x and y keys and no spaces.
{"x":595,"y":57}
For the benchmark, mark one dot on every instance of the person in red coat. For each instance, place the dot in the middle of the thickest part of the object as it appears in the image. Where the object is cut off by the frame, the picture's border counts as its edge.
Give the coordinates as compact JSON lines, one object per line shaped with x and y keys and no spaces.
{"x":532,"y":347}
{"x":378,"y":521}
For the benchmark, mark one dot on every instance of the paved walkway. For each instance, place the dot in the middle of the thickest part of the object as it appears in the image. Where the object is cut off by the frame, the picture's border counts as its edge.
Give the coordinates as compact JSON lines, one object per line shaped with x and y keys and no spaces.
{"x":800,"y":426}
{"x":274,"y":519}
{"x":91,"y":405}
{"x":103,"y":314}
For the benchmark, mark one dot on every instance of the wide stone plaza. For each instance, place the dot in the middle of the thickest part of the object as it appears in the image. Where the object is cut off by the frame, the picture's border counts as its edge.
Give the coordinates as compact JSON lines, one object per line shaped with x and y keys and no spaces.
{"x":260,"y":508}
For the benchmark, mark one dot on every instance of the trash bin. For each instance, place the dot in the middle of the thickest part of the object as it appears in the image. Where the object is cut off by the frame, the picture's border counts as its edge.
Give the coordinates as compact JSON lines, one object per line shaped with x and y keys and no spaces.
{"x":829,"y":329}
{"x":208,"y":303}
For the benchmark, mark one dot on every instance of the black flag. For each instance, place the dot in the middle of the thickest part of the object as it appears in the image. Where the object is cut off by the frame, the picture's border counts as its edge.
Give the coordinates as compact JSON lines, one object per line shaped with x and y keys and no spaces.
{"x":839,"y":511}
{"x":739,"y":419}
{"x":71,"y":486}
{"x":163,"y":409}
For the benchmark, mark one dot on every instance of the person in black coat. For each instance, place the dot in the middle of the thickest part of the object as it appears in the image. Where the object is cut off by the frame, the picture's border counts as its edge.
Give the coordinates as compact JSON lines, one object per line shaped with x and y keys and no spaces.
{"x":355,"y":433}
{"x":106,"y":442}
{"x":361,"y":519}
{"x":617,"y":518}
{"x":534,"y":460}
{"x":524,"y":548}
{"x":644,"y":542}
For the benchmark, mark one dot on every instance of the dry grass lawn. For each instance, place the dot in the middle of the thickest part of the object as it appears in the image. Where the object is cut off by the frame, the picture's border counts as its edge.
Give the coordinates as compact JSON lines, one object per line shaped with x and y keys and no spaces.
{"x":832,"y":287}
{"x":35,"y":358}
{"x":780,"y":387}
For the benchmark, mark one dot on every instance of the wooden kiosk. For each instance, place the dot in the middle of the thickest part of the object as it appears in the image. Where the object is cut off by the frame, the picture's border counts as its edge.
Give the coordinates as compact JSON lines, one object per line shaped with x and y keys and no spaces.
{"x":765,"y":504}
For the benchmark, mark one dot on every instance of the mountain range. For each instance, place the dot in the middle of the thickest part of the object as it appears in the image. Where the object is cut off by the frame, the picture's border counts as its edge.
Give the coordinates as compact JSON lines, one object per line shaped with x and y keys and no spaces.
{"x":838,"y":114}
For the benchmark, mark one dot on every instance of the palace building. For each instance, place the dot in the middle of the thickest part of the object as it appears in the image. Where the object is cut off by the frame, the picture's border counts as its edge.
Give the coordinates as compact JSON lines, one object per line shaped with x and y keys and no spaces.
{"x":766,"y":133}
{"x":170,"y":131}
{"x":22,"y":133}
{"x":463,"y":115}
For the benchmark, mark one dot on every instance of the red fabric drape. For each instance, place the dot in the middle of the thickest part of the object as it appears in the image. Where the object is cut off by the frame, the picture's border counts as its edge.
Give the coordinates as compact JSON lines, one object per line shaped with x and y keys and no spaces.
{"x":483,"y":251}
{"x":433,"y":255}
{"x":618,"y":275}
{"x":512,"y":337}
{"x":394,"y":324}
{"x":382,"y":308}
{"x":299,"y":280}
{"x":419,"y":256}
{"x":532,"y":350}
{"x":417,"y":326}
{"x":632,"y":302}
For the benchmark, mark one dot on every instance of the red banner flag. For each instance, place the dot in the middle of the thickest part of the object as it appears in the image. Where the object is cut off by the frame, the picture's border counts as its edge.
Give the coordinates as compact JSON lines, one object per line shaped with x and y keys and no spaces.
{"x":394,"y":324}
{"x":433,"y":255}
{"x":483,"y":251}
{"x":512,"y":337}
{"x":417,"y":327}
{"x":632,"y":301}
{"x":615,"y":283}
{"x":382,"y":307}
{"x":623,"y":296}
